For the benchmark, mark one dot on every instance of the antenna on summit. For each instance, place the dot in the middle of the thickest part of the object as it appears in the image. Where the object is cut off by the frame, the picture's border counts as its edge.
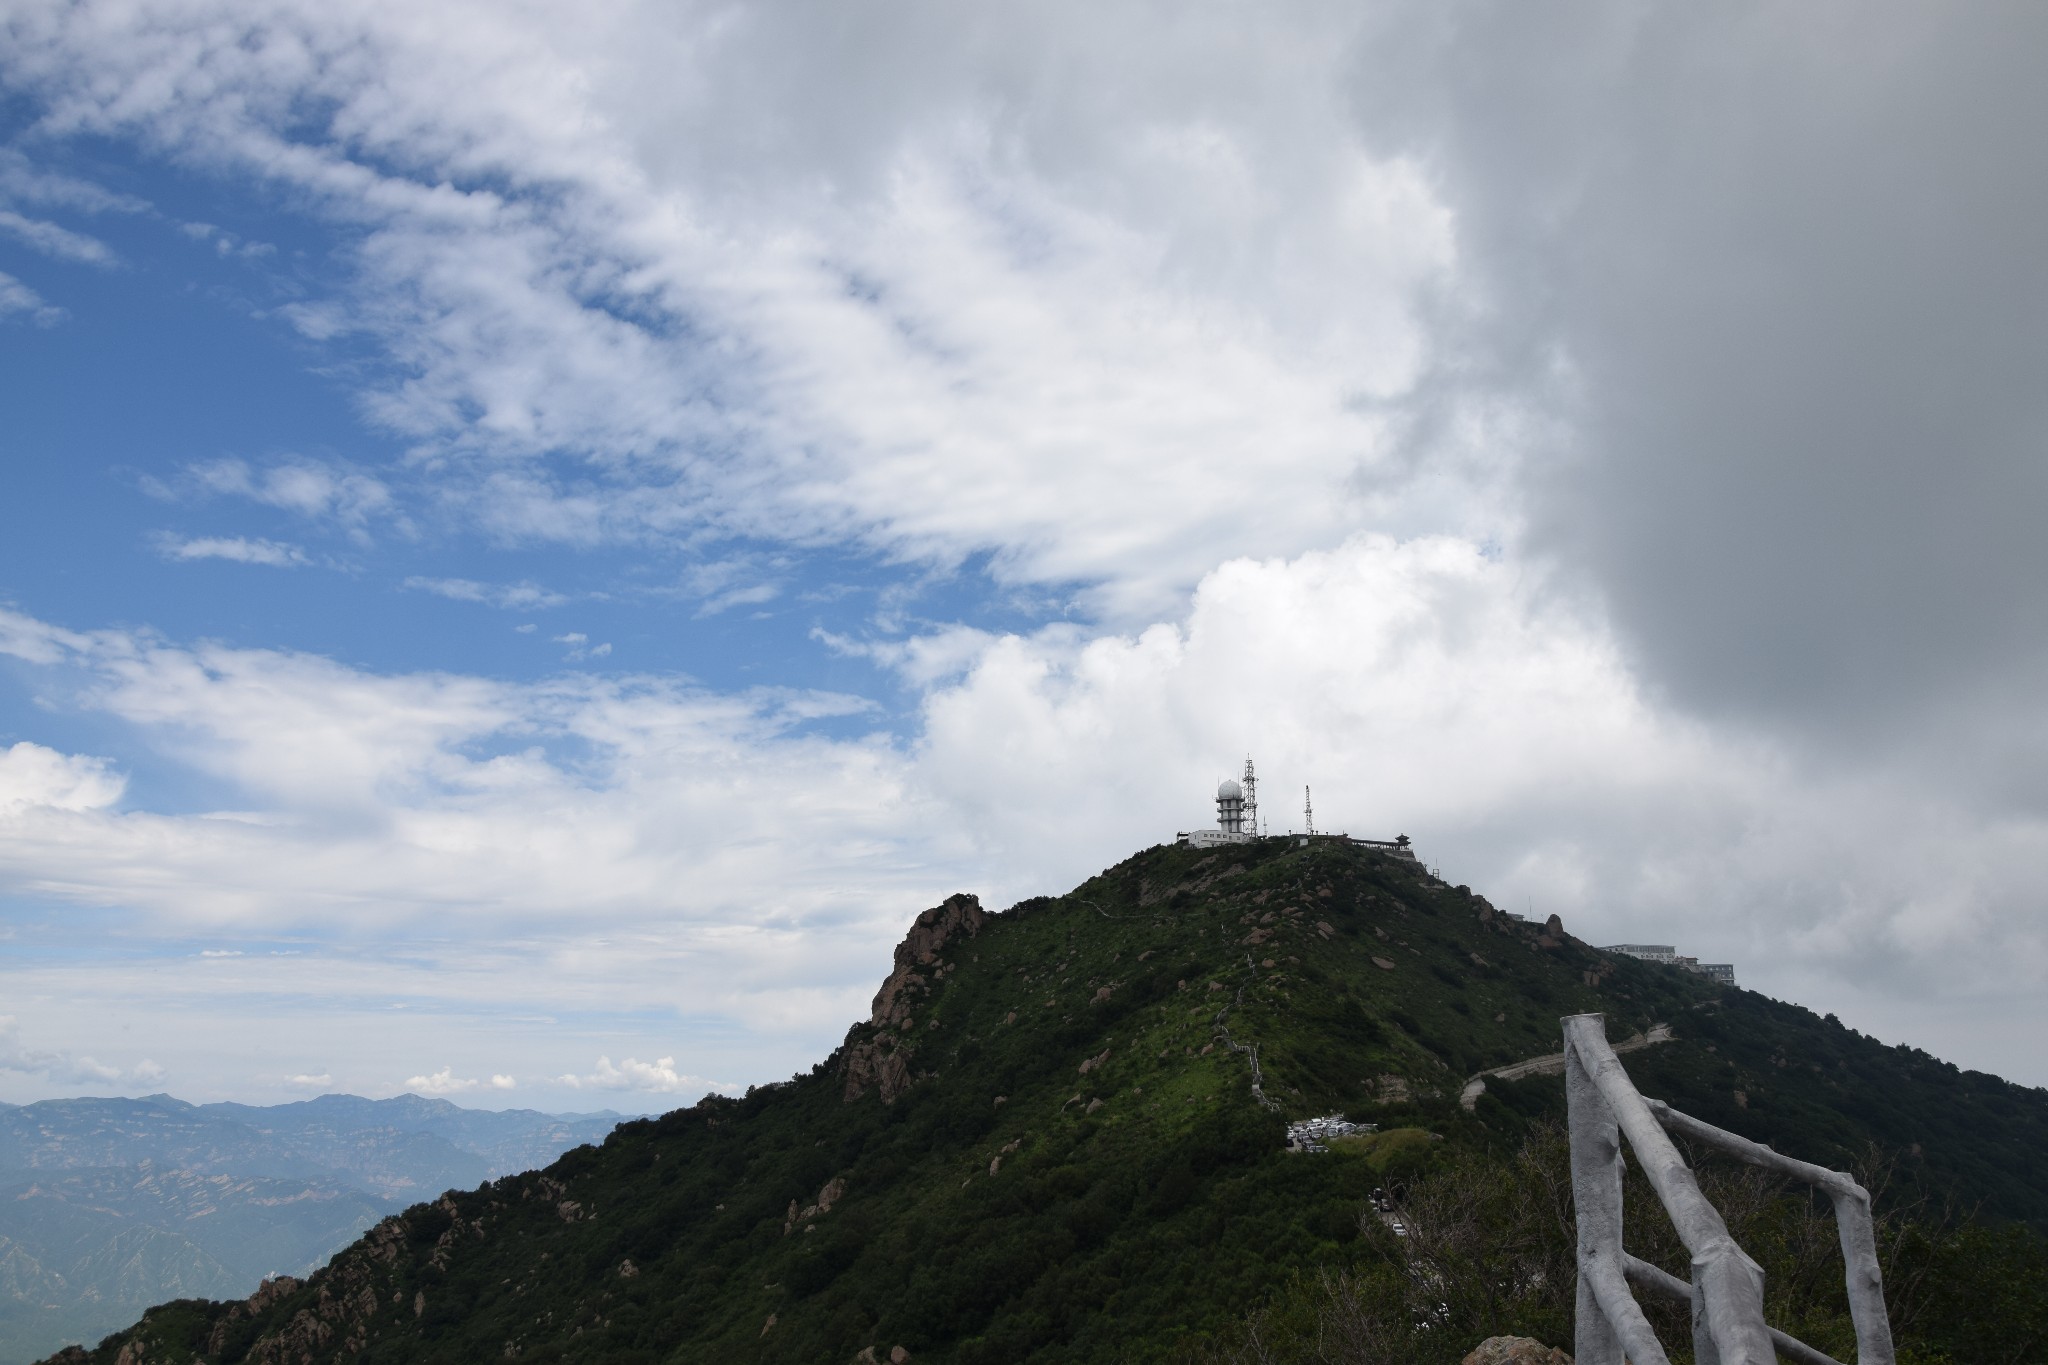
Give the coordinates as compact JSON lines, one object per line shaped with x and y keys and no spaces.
{"x":1308,"y":812}
{"x":1251,"y":797}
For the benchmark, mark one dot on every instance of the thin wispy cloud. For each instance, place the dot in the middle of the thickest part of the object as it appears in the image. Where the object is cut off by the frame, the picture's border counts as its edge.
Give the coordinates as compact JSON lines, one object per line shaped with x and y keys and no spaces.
{"x":580,"y":648}
{"x":18,"y":298}
{"x":54,"y":240}
{"x":65,"y":1068}
{"x":235,"y":549}
{"x":319,"y":491}
{"x":510,"y":596}
{"x":22,"y":181}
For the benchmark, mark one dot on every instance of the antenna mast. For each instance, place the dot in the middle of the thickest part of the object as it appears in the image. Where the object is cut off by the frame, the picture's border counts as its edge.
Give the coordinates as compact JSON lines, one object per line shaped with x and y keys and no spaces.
{"x":1251,"y":797}
{"x":1308,"y":811}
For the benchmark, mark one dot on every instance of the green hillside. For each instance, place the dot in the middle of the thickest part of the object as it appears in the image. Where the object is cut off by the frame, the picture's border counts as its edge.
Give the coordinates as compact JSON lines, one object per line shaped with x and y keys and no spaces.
{"x":1046,"y":1143}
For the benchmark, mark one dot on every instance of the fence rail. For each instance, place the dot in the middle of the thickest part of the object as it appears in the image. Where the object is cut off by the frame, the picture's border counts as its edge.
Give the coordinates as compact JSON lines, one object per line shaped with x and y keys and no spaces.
{"x":1727,"y":1288}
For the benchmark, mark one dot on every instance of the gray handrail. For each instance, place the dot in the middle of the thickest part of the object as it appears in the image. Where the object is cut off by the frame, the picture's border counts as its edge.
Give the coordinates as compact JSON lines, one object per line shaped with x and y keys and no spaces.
{"x":1657,"y":1281}
{"x":1852,"y":1223}
{"x":1727,"y":1286}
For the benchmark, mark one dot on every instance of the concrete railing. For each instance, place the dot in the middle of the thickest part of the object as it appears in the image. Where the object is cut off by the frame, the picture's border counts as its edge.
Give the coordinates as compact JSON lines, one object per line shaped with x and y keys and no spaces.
{"x":1727,"y":1288}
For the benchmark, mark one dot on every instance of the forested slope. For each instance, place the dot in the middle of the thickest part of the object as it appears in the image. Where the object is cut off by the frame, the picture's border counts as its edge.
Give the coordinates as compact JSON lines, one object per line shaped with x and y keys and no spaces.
{"x":1045,"y":1143}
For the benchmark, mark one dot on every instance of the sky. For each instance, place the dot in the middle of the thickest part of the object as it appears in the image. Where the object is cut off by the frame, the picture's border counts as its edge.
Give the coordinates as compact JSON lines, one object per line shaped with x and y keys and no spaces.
{"x":535,"y":539}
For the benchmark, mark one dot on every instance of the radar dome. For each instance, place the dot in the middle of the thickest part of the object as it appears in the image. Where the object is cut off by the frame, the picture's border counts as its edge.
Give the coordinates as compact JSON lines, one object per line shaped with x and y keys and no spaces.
{"x":1229,"y":791}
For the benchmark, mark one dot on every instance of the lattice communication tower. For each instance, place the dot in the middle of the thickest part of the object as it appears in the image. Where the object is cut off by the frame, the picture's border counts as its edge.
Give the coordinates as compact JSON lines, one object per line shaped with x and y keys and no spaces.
{"x":1250,"y":784}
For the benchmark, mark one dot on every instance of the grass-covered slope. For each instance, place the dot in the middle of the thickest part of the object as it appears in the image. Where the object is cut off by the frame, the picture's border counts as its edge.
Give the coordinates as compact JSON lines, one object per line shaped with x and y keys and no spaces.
{"x":1045,"y":1143}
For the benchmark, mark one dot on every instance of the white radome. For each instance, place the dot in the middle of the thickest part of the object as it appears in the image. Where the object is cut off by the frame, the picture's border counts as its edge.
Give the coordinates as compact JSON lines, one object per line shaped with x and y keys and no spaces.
{"x":1229,"y":791}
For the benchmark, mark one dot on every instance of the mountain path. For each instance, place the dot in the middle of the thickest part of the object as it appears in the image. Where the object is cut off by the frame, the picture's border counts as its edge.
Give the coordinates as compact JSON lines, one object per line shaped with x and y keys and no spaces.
{"x":1550,"y":1064}
{"x":1251,"y":1050}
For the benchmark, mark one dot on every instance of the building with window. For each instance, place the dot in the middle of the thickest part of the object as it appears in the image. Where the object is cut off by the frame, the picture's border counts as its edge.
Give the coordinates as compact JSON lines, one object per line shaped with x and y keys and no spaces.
{"x":1721,"y":973}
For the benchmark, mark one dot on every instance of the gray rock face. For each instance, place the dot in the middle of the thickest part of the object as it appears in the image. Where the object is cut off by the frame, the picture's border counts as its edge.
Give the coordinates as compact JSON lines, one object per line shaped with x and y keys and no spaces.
{"x":1516,"y":1351}
{"x":880,"y":1060}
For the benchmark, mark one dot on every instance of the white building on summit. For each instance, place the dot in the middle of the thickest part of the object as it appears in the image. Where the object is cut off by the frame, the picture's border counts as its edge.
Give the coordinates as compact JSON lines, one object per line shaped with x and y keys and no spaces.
{"x":1237,"y":821}
{"x":1230,"y":818}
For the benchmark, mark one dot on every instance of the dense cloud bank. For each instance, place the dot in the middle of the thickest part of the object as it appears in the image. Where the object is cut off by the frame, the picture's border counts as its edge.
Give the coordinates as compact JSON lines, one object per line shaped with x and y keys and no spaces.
{"x":1603,"y":445}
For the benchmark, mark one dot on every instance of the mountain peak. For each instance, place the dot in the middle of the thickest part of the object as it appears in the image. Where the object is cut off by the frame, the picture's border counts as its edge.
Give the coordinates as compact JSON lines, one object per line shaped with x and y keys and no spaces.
{"x":1062,"y":1130}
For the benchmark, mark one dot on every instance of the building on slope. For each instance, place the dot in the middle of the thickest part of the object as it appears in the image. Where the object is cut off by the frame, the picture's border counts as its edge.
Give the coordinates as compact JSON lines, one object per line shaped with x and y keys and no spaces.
{"x":1720,"y":973}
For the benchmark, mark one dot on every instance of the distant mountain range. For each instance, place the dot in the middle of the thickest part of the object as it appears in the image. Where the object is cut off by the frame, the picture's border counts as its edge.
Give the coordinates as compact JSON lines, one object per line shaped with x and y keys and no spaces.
{"x":110,"y":1205}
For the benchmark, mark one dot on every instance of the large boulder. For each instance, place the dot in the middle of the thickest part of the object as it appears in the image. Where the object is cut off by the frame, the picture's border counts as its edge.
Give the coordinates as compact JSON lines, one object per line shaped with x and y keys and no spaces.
{"x":1516,"y":1351}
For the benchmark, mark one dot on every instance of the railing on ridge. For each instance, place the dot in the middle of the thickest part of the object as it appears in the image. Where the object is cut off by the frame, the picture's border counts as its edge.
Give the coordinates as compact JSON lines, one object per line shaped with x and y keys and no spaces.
{"x":1727,"y":1288}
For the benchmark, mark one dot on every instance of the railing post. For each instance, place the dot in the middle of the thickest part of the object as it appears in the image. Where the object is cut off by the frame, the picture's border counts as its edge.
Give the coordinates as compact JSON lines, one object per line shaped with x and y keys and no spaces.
{"x":1704,"y":1351}
{"x":1865,"y":1280}
{"x":1596,"y":1201}
{"x":1609,"y":1328}
{"x":1731,"y":1284}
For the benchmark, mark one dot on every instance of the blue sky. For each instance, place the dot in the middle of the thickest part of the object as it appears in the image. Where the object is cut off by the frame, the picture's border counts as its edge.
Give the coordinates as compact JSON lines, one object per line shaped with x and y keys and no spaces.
{"x":536,"y":543}
{"x":131,"y":510}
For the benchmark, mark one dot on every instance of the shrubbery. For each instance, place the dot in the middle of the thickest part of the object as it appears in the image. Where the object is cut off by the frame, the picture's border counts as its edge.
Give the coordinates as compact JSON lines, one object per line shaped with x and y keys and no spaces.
{"x":1489,"y":1251}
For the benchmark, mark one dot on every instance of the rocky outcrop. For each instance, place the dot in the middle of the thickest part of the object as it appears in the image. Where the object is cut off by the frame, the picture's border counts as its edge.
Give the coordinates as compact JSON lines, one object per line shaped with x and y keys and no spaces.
{"x":1517,"y":1351}
{"x":386,"y":1236}
{"x":879,"y":1061}
{"x":832,"y":1193}
{"x":929,"y":934}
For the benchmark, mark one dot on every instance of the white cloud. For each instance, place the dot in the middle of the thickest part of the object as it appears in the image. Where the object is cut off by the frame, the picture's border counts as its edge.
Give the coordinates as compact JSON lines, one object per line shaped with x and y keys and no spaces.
{"x":23,"y":182}
{"x":378,"y":796}
{"x":1423,"y":688}
{"x":982,"y":328}
{"x":708,"y":848}
{"x":55,"y":240}
{"x":580,"y":647}
{"x":442,"y":1082}
{"x":309,"y":1081}
{"x":317,"y":490}
{"x":446,"y":1082}
{"x":14,"y":1056}
{"x":1150,"y":313}
{"x":16,"y":297}
{"x":235,"y":549}
{"x":658,"y":1077}
{"x":511,"y":596}
{"x":34,"y":776}
{"x":754,"y":594}
{"x":64,"y":1068}
{"x":225,"y":243}
{"x":921,"y":660}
